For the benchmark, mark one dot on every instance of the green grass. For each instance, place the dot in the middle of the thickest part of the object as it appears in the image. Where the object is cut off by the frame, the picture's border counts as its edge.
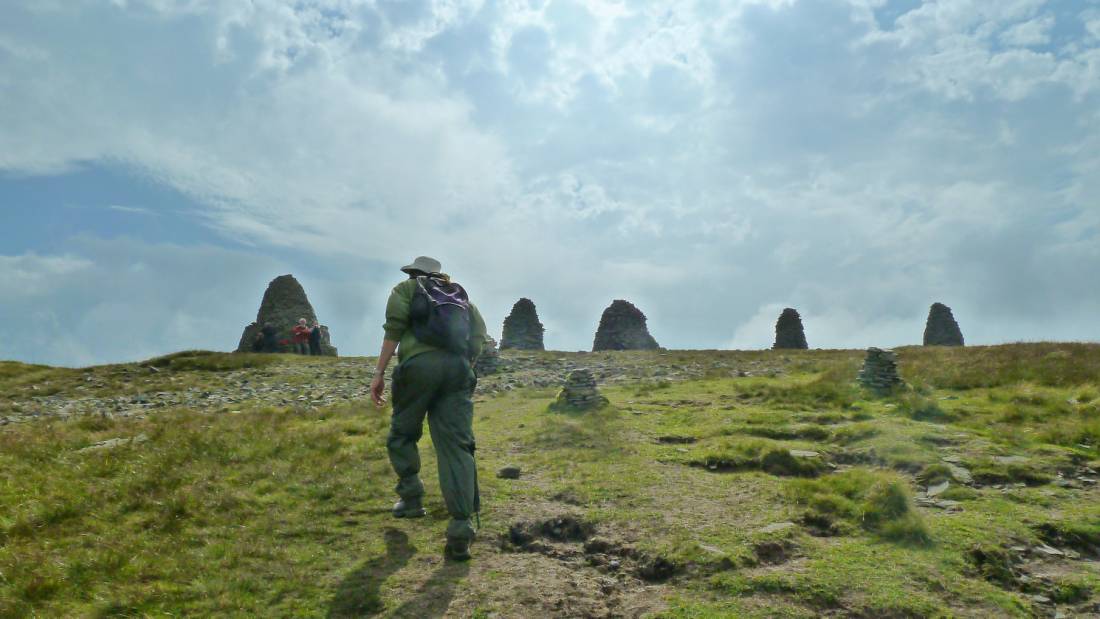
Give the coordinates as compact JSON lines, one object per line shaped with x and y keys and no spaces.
{"x":283,"y":511}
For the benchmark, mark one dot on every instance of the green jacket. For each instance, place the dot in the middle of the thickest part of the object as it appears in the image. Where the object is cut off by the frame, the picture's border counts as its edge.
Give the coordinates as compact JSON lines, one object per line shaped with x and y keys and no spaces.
{"x":399,"y":330}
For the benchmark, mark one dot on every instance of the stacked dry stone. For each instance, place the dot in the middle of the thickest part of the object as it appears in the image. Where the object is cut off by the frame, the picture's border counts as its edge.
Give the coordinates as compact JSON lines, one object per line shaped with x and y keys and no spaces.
{"x":580,"y":392}
{"x":522,"y":329}
{"x":941,"y":328}
{"x":623,"y":327}
{"x":788,"y":331}
{"x":489,"y":360}
{"x":880,"y":371}
{"x":283,"y":304}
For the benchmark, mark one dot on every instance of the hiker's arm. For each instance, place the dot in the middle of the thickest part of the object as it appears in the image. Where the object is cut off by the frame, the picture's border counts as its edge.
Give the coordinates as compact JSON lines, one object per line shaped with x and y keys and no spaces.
{"x":378,"y":383}
{"x":478,"y":332}
{"x":397,"y":320}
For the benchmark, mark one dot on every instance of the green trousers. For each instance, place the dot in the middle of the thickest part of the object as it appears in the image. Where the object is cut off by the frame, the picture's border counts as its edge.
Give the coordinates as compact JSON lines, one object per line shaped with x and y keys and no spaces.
{"x":437,"y":384}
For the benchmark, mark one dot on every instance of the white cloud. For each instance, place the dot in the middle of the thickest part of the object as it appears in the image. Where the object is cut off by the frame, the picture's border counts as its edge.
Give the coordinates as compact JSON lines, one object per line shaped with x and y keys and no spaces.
{"x":133,"y":210}
{"x":576,"y":152}
{"x":1029,"y":33}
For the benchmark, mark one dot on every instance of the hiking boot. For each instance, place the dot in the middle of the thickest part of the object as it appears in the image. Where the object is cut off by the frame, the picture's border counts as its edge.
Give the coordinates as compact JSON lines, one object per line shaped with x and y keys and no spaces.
{"x":457,"y":549}
{"x":408,"y":508}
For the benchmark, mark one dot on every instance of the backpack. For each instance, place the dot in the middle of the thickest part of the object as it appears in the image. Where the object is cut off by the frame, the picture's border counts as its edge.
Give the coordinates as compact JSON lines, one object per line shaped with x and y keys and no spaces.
{"x":440,"y":315}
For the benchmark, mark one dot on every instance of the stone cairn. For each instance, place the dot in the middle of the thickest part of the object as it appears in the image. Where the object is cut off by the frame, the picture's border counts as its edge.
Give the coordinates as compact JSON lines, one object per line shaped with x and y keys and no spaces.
{"x":623,"y":327}
{"x":941,"y":328}
{"x":522,"y":329}
{"x":788,"y":331}
{"x":283,"y":304}
{"x":489,"y":361}
{"x":580,"y":392}
{"x":880,"y":371}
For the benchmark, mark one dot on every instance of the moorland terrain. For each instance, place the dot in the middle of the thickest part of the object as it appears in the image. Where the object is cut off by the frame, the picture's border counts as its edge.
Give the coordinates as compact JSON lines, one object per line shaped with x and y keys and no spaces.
{"x":716,"y":483}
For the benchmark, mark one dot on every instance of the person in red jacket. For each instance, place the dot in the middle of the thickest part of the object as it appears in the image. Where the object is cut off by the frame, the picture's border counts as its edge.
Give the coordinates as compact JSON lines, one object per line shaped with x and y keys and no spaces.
{"x":300,"y":334}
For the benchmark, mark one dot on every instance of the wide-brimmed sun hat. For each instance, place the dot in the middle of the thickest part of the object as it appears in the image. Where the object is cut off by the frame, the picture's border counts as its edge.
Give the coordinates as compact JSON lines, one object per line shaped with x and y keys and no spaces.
{"x":423,"y":264}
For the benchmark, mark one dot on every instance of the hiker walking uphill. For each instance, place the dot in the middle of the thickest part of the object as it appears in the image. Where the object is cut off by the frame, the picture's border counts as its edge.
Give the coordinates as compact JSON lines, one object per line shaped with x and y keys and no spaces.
{"x":436,"y":333}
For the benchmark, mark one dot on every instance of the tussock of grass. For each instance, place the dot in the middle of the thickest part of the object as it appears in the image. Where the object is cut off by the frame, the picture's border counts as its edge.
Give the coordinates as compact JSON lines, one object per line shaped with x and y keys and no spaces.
{"x":988,"y":471}
{"x":209,"y":361}
{"x":920,"y":408}
{"x":876,"y":501}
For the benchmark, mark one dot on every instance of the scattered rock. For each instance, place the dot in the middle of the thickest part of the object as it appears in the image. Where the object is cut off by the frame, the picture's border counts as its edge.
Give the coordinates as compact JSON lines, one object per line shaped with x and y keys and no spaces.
{"x":802,"y":453}
{"x":789,"y":333}
{"x":960,"y":474}
{"x":674,"y":439}
{"x":283,"y":304}
{"x":489,"y":361}
{"x":509,"y":472}
{"x":777,"y":527}
{"x":623,"y":327}
{"x":880,"y":371}
{"x":522,"y":329}
{"x":938,"y":489}
{"x":1049,"y":551}
{"x":115,"y":442}
{"x":941,"y":328}
{"x":580,"y":392}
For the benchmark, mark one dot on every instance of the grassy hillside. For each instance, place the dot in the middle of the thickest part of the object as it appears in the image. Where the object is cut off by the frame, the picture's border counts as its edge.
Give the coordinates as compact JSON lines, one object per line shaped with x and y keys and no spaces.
{"x":716,"y":484}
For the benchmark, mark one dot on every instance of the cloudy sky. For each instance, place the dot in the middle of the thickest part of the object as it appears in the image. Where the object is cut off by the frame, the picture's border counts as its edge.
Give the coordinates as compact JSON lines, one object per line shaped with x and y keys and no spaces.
{"x":712,"y":161}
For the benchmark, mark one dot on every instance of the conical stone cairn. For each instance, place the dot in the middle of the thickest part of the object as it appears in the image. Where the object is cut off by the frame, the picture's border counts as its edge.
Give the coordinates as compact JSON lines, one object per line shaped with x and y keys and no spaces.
{"x":789,"y":334}
{"x":580,"y":392}
{"x":489,"y":361}
{"x":880,"y":371}
{"x":283,"y":304}
{"x":623,"y":327}
{"x":941,"y":328}
{"x":522,"y":329}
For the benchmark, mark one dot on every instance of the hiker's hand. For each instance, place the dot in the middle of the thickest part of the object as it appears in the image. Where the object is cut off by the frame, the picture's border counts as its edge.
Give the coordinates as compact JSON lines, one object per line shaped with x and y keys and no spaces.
{"x":378,"y":389}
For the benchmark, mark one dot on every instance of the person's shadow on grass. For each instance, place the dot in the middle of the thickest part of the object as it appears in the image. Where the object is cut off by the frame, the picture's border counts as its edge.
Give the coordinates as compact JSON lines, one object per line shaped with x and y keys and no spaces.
{"x":433,"y":598}
{"x":359,"y":593}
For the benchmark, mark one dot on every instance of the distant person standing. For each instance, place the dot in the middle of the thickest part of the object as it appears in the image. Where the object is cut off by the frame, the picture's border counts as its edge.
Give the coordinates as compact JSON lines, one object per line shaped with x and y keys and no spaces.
{"x":436,"y":333}
{"x":300,"y":337}
{"x":271,"y":338}
{"x":315,"y":339}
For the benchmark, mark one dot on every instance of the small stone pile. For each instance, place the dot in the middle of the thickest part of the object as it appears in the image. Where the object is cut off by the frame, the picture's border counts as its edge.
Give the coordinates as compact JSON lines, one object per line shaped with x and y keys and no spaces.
{"x":941,"y":328}
{"x":489,"y":361}
{"x":522,"y":329}
{"x":880,"y":370}
{"x":580,"y":392}
{"x":788,"y":331}
{"x":623,"y":327}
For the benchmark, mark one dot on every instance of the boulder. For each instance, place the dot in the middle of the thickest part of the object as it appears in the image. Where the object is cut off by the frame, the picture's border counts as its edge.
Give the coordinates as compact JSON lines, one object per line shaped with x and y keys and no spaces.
{"x":788,"y":331}
{"x":941,"y":328}
{"x":283,"y":304}
{"x":522,"y":329}
{"x":623,"y":327}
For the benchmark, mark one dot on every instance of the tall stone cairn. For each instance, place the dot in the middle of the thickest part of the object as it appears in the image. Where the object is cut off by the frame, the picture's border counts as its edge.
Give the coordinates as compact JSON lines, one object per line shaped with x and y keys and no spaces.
{"x":283,"y":304}
{"x":522,"y":329}
{"x":880,"y":371}
{"x":580,"y":392}
{"x":789,"y":334}
{"x":941,"y":328}
{"x":623,"y":327}
{"x":489,"y":360}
